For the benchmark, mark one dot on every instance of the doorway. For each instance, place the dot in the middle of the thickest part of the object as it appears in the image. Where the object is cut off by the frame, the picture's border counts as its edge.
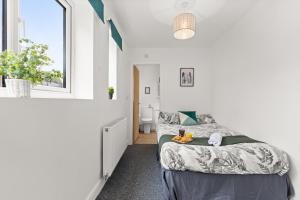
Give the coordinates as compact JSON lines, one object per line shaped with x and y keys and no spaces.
{"x":146,"y":103}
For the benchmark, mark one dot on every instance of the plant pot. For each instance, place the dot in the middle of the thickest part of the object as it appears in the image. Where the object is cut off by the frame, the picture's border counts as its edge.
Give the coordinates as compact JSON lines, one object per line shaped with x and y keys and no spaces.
{"x":111,"y":95}
{"x":18,"y":87}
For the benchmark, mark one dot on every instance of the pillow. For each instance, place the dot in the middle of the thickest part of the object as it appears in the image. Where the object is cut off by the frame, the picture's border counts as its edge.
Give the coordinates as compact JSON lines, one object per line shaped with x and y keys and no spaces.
{"x":168,"y":118}
{"x":205,"y":119}
{"x":188,"y":118}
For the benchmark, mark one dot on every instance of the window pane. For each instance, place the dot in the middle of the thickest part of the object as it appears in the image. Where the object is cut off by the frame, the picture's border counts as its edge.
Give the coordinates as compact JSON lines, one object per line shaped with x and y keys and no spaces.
{"x":2,"y":33}
{"x":43,"y":21}
{"x":1,"y":25}
{"x":1,"y":29}
{"x":113,"y":65}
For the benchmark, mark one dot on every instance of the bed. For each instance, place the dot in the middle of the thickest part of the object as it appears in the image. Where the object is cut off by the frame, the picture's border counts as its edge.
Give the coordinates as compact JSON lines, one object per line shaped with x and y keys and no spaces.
{"x":240,"y":169}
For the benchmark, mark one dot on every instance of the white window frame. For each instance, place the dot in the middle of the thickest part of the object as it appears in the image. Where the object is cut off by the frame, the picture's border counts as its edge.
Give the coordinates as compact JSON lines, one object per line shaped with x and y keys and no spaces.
{"x":13,"y":20}
{"x":116,"y":49}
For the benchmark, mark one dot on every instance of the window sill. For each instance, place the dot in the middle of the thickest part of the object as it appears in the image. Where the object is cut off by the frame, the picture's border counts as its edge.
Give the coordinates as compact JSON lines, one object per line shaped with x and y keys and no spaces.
{"x":43,"y":94}
{"x":40,"y":94}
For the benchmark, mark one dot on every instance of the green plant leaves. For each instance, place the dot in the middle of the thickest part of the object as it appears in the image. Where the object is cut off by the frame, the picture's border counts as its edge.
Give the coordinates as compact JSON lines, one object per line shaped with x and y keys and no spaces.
{"x":53,"y":76}
{"x":111,"y":90}
{"x":28,"y":63}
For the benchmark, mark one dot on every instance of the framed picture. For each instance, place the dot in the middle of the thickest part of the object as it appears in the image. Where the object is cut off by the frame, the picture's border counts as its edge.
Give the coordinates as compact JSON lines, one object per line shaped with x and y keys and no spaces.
{"x":147,"y":90}
{"x":186,"y":77}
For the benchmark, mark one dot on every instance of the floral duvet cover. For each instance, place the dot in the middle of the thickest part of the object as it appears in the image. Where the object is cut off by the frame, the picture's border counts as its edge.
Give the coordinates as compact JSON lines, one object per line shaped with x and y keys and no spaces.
{"x":243,"y":158}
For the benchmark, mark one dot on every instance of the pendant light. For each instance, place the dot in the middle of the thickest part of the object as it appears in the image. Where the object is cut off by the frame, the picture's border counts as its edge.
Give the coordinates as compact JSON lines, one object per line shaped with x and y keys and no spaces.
{"x":184,"y":26}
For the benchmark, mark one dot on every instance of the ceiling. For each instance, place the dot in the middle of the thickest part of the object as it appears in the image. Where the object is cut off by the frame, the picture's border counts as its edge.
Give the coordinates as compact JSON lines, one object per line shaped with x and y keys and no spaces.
{"x":148,"y":23}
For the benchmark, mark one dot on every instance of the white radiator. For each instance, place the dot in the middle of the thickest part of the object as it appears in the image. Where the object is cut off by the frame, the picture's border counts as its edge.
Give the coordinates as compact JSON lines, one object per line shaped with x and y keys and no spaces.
{"x":114,"y":145}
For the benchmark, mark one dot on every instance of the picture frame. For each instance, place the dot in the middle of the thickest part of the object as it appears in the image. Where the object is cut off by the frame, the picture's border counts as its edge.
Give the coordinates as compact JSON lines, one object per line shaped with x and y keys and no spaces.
{"x":187,"y":78}
{"x":147,"y":90}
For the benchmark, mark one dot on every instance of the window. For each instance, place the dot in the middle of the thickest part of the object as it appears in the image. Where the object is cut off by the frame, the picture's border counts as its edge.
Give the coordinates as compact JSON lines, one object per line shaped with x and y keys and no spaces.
{"x":48,"y":22}
{"x":3,"y":25}
{"x":3,"y":31}
{"x":113,"y":55}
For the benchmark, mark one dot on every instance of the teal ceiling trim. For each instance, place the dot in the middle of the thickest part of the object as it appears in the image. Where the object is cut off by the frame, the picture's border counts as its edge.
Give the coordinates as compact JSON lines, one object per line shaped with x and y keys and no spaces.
{"x":99,"y":8}
{"x":115,"y":34}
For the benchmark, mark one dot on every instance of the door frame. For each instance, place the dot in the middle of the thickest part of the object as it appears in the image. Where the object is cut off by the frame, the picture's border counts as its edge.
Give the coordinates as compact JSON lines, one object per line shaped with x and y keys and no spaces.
{"x":132,"y":134}
{"x":135,"y":104}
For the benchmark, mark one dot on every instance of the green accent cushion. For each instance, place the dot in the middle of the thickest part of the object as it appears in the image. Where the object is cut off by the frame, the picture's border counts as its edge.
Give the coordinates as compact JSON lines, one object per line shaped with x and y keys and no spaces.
{"x":188,"y":118}
{"x":191,"y":114}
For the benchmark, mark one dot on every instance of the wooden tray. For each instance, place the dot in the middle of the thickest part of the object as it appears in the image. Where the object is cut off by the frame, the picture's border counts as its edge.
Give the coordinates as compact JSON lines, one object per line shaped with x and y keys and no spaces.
{"x":181,"y":142}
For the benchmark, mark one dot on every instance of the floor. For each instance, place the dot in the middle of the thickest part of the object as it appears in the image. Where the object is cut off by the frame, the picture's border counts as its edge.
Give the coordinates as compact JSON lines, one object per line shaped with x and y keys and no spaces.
{"x":137,"y":176}
{"x":147,"y":138}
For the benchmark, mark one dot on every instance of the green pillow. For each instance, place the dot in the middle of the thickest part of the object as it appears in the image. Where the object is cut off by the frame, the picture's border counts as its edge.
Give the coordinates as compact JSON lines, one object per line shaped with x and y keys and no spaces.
{"x":188,"y":118}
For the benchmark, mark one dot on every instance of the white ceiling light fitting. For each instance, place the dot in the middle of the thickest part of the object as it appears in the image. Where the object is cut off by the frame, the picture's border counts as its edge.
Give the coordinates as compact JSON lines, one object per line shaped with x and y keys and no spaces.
{"x":185,"y":4}
{"x":184,"y":26}
{"x":164,"y":11}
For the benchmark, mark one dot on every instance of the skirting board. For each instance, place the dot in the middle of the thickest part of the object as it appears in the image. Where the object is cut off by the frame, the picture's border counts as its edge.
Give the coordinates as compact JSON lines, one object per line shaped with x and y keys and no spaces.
{"x":96,"y":190}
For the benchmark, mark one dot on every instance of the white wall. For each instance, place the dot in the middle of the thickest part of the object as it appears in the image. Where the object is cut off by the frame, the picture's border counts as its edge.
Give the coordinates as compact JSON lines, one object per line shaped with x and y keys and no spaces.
{"x":256,"y":84}
{"x":50,"y":149}
{"x":174,"y":97}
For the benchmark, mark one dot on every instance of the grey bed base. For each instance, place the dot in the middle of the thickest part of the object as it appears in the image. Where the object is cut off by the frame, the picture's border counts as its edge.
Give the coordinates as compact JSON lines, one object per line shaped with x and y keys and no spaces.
{"x":178,"y":185}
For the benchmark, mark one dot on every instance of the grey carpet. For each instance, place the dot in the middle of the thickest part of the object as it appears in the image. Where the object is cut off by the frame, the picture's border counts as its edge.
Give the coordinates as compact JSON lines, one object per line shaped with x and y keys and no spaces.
{"x":137,"y":176}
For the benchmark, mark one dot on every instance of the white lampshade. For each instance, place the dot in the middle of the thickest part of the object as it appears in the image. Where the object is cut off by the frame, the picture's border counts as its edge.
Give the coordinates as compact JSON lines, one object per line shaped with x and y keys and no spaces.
{"x":184,"y":26}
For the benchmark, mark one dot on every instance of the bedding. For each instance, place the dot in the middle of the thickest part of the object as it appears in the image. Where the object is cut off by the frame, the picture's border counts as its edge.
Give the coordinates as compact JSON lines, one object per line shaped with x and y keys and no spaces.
{"x":203,"y":130}
{"x":187,"y":185}
{"x":174,"y":118}
{"x":203,"y":141}
{"x":241,"y":158}
{"x":205,"y":119}
{"x":168,"y":118}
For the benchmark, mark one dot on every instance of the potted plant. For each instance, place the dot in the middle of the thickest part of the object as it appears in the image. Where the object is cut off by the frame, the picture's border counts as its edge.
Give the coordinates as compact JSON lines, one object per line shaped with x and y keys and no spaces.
{"x":23,"y":69}
{"x":111,"y":92}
